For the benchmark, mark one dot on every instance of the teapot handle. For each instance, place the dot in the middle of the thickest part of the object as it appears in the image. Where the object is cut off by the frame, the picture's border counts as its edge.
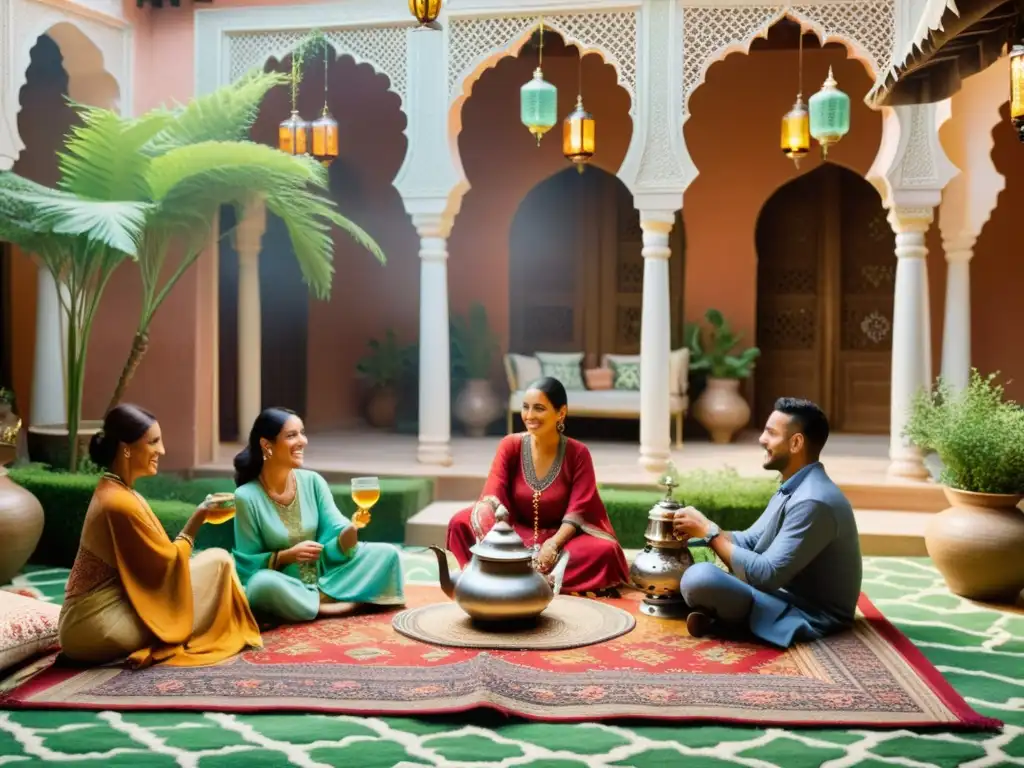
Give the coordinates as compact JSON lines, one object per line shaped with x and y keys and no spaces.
{"x":558,"y":572}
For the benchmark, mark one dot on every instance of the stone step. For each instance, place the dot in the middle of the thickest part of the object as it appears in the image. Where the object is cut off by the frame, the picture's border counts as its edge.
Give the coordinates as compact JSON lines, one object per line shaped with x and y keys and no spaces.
{"x":882,"y":532}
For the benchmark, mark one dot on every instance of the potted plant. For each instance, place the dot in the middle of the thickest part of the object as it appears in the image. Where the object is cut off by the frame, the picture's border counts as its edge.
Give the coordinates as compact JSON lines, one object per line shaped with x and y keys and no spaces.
{"x":720,"y":408}
{"x":978,"y":436}
{"x":474,"y":344}
{"x":383,"y":368}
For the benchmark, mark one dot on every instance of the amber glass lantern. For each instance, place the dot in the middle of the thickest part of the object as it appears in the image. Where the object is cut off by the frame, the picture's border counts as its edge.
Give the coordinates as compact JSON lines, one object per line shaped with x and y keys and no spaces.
{"x":425,"y":11}
{"x":293,"y":135}
{"x":1017,"y":89}
{"x":796,"y":132}
{"x":325,"y":138}
{"x":578,"y":136}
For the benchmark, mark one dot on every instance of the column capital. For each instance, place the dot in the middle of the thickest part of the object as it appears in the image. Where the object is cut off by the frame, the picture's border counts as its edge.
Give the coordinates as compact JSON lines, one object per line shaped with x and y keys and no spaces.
{"x":910,"y":219}
{"x":959,"y":248}
{"x":433,"y":225}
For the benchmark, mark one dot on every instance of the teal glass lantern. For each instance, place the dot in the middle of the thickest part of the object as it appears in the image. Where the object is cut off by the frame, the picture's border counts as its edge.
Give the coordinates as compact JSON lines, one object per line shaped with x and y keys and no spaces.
{"x":538,"y":105}
{"x":830,"y":114}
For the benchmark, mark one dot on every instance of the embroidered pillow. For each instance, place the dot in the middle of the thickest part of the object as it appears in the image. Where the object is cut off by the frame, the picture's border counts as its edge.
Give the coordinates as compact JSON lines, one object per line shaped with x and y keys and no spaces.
{"x":27,"y":627}
{"x":526,"y":370}
{"x":627,"y":375}
{"x":567,"y":367}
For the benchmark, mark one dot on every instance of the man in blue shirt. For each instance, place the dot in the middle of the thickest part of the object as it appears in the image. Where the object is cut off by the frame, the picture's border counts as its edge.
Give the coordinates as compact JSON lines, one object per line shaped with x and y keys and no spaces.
{"x":796,"y":572}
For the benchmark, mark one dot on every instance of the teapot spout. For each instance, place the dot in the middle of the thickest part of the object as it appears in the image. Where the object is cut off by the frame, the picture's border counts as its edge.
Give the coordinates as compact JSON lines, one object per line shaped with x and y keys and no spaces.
{"x":445,"y":575}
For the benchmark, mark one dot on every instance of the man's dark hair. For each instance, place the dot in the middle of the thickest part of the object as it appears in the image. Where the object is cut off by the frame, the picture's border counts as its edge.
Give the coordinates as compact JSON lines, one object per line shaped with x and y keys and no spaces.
{"x":809,"y":420}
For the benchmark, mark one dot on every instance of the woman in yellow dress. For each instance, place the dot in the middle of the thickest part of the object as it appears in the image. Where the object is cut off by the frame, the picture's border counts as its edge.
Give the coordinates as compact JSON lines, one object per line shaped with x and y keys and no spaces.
{"x":132,"y":591}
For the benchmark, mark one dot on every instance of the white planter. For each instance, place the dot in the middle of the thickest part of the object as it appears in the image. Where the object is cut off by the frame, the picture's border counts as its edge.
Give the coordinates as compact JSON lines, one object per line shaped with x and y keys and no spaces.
{"x":477,"y":406}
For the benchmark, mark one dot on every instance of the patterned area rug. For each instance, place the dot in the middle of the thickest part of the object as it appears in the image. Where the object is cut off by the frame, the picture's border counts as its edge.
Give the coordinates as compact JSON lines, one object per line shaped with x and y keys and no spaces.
{"x":978,"y":649}
{"x":870,"y":676}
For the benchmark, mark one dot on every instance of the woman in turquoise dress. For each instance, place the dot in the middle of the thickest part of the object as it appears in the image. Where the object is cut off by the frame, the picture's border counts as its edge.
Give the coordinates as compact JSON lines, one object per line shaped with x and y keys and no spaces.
{"x":297,"y":556}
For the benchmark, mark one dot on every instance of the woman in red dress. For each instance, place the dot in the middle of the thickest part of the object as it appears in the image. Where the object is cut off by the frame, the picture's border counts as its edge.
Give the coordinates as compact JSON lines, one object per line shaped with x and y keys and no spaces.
{"x":546,"y":482}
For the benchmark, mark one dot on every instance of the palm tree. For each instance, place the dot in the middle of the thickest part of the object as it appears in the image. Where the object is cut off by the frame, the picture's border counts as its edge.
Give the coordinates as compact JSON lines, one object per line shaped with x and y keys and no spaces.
{"x":142,"y":188}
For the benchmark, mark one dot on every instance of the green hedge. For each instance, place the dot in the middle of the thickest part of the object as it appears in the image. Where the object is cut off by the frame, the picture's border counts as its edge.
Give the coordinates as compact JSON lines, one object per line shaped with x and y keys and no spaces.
{"x":65,"y":499}
{"x":732,"y":501}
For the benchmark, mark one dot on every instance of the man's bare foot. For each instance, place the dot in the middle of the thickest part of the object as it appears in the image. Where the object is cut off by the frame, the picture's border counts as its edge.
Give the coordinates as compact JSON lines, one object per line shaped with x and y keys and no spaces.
{"x":699,"y":624}
{"x":336,"y":609}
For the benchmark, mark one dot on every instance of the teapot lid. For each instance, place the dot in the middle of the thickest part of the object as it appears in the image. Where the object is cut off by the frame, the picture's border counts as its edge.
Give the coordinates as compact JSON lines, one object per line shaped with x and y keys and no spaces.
{"x":668,"y":482}
{"x":502,"y":542}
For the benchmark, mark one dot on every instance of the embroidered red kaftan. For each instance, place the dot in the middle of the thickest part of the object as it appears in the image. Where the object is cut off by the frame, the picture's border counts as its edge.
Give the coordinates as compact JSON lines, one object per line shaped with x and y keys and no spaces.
{"x":568,"y":494}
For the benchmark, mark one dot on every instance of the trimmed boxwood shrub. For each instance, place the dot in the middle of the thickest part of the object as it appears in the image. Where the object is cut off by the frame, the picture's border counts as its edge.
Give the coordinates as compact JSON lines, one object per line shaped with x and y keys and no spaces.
{"x":65,"y":499}
{"x":726,"y":497}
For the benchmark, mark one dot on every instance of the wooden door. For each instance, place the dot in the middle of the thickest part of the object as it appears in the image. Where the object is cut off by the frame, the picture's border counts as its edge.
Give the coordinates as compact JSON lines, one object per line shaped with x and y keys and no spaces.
{"x":826,"y":265}
{"x":576,"y":269}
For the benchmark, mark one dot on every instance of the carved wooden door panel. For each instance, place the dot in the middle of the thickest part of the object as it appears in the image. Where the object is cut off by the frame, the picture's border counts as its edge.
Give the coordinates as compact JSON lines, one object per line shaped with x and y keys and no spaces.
{"x":864,"y":358}
{"x":546,"y":312}
{"x":789,"y":296}
{"x":826,"y":268}
{"x":576,"y":272}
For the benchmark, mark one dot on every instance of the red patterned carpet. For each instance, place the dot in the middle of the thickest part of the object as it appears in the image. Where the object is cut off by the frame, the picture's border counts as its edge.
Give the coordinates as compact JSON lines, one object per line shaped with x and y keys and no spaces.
{"x":869,"y":676}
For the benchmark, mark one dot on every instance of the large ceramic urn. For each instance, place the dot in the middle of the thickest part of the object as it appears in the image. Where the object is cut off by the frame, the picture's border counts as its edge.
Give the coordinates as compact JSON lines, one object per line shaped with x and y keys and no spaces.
{"x":721,"y":409}
{"x":978,"y":545}
{"x":21,"y":514}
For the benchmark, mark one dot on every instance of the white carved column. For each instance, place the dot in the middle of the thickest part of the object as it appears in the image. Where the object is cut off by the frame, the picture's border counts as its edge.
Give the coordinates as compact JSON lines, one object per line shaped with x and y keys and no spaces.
{"x":431,"y":183}
{"x":909,"y":334}
{"x":49,"y":405}
{"x":657,"y":169}
{"x":967,"y":204}
{"x":248,"y":241}
{"x":655,"y":342}
{"x":435,"y":364}
{"x":910,"y":171}
{"x":956,"y":327}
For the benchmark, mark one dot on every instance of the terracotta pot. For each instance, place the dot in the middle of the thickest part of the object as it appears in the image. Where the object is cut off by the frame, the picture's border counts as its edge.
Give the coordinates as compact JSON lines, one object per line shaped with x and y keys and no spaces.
{"x":49,"y":444}
{"x":477,"y":406}
{"x":977,"y":543}
{"x":721,"y":409}
{"x":382,"y":407}
{"x":21,"y":525}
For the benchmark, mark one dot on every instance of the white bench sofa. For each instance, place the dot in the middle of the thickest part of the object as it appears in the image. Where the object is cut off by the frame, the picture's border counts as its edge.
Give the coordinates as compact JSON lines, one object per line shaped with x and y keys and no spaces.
{"x":605,"y":403}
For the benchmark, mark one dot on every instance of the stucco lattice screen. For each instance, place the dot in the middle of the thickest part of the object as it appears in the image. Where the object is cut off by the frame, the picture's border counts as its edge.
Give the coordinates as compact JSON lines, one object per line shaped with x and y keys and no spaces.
{"x":707,"y":32}
{"x":384,"y":48}
{"x":613,"y":35}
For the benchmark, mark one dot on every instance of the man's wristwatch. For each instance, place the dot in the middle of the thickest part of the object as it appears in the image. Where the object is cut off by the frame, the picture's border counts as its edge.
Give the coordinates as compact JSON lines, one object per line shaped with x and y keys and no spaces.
{"x":713,"y":531}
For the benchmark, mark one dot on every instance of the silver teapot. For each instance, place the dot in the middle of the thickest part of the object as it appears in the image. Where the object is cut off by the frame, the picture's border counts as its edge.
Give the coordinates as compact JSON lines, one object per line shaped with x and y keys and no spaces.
{"x":500,"y":583}
{"x":658,"y":568}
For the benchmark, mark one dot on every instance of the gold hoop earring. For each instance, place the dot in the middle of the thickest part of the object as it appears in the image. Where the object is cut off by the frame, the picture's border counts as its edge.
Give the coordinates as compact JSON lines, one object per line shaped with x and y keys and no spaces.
{"x":127,"y":453}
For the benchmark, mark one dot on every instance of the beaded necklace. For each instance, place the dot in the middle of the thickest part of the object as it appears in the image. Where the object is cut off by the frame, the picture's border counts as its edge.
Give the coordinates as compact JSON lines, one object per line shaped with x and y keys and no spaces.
{"x":538,"y":486}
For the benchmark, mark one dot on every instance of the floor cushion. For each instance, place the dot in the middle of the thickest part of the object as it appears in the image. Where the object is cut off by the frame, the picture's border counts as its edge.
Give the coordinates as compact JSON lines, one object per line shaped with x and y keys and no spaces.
{"x":27,"y":628}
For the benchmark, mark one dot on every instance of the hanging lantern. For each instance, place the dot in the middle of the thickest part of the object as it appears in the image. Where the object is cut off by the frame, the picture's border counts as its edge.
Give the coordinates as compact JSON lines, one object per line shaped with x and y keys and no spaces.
{"x":425,"y":11}
{"x":1017,"y":89}
{"x":293,"y":135}
{"x":830,"y":114}
{"x":325,"y":138}
{"x":796,"y":132}
{"x":578,"y":139}
{"x":538,"y":102}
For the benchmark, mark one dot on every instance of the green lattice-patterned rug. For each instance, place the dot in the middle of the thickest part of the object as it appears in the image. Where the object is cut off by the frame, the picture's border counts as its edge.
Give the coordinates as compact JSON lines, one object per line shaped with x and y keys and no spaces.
{"x":980,"y":651}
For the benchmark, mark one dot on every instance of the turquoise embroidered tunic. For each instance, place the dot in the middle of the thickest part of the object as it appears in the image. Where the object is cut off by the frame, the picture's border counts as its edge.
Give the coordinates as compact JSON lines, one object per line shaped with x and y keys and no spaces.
{"x":369,"y":573}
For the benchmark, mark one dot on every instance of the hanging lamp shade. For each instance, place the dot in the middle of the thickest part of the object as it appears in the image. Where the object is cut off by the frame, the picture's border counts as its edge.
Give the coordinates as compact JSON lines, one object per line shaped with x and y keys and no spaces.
{"x":1017,"y":89}
{"x":796,"y":132}
{"x":325,"y":138}
{"x":830,"y":114}
{"x":293,"y":135}
{"x":425,"y":11}
{"x":578,"y":136}
{"x":538,"y":105}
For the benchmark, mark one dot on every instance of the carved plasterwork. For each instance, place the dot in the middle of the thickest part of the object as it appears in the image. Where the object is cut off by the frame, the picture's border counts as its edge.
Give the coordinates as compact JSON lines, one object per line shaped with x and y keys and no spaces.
{"x":472,"y":42}
{"x":96,"y":49}
{"x":711,"y":33}
{"x":383,"y":48}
